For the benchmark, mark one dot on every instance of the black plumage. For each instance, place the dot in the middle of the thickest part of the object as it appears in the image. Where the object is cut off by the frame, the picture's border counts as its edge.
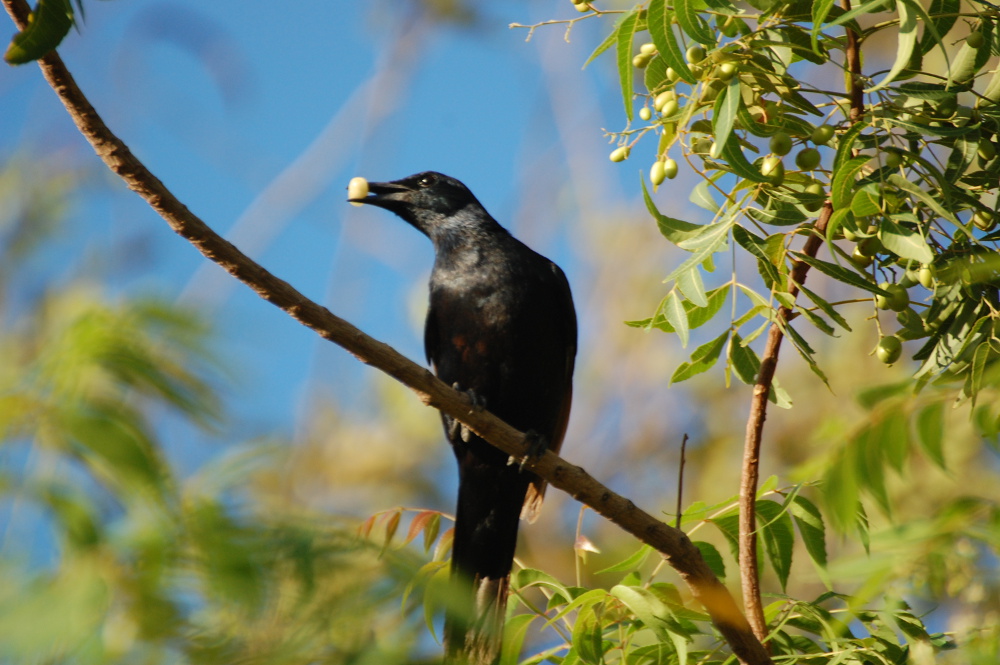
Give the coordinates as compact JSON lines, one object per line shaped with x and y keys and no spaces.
{"x":501,"y":325}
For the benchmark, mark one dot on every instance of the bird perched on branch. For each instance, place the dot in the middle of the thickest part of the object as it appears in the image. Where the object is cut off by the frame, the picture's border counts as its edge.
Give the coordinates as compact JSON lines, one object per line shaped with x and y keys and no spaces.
{"x":501,"y":326}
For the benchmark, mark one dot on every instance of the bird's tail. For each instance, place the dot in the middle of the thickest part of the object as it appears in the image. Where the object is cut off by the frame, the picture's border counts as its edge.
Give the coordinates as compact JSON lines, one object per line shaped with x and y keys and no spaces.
{"x":486,"y":522}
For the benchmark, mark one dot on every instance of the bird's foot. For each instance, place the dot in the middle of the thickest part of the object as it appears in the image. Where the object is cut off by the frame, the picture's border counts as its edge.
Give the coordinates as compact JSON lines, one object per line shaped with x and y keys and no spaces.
{"x":535,"y":447}
{"x":456,"y":427}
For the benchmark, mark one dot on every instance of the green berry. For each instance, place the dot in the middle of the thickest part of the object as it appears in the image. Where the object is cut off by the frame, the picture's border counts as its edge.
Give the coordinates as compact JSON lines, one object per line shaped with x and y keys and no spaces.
{"x":807,"y":159}
{"x":657,"y":174}
{"x":641,"y":60}
{"x":727,"y":71}
{"x":645,"y":113}
{"x":975,"y":39}
{"x":648,"y":48}
{"x":926,"y":277}
{"x":663,"y":98}
{"x":893,"y":159}
{"x":860,"y":260}
{"x":822,"y":135}
{"x":889,"y":349}
{"x":897,"y":300}
{"x":909,"y":279}
{"x":984,"y":221}
{"x":870,"y":246}
{"x":987,"y":150}
{"x":772,"y":169}
{"x":815,"y":189}
{"x":619,"y":154}
{"x":781,"y":144}
{"x":695,"y":54}
{"x":702,"y":145}
{"x":670,"y":169}
{"x":670,"y":108}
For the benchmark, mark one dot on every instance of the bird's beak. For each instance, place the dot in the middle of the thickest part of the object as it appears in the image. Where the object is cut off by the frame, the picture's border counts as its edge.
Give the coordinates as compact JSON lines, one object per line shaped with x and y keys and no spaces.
{"x":384,"y":194}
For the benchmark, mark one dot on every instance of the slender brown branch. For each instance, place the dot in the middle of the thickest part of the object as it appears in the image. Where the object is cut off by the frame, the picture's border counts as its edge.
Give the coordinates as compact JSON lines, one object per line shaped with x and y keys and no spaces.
{"x":680,"y":481}
{"x":672,"y":543}
{"x":749,"y":575}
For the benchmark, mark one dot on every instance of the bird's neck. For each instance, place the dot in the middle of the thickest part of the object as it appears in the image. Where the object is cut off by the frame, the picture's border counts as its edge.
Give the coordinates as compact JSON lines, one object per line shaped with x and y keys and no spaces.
{"x":469,"y":243}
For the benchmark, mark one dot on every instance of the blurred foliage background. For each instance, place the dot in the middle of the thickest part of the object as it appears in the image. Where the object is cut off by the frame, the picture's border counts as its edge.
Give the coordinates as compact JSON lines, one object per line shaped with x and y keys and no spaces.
{"x":113,"y":550}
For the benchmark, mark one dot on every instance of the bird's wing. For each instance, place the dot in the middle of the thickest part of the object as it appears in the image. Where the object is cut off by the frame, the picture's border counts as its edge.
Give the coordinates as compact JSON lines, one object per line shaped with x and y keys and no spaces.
{"x":536,"y":490}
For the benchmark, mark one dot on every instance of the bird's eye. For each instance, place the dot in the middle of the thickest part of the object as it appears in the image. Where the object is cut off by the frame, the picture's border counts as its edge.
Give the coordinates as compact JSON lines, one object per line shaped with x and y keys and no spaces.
{"x":427,"y":181}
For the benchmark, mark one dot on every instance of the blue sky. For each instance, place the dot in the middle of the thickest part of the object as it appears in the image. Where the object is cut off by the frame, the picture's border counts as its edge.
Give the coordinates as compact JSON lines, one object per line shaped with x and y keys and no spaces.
{"x":257,"y":119}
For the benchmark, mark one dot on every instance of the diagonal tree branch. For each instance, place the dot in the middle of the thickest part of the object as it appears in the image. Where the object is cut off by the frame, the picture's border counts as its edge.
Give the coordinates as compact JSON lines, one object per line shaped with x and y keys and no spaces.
{"x":672,"y":543}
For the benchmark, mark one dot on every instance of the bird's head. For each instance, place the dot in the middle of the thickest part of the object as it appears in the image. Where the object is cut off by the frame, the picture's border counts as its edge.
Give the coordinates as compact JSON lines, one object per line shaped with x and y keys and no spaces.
{"x":432,"y":202}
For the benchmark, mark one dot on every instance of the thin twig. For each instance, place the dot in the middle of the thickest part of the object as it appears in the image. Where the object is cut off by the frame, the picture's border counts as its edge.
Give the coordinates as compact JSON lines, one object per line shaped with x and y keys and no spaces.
{"x":680,"y":481}
{"x":676,"y":547}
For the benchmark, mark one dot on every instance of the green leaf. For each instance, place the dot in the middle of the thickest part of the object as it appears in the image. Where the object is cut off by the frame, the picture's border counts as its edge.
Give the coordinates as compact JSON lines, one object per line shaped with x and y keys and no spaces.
{"x":977,"y":369}
{"x":842,"y":189}
{"x":917,"y":191}
{"x":611,"y":39}
{"x":904,"y":242}
{"x":943,"y":15}
{"x":630,"y":563}
{"x":712,"y":557}
{"x":826,"y":307}
{"x":49,"y":25}
{"x":646,"y":606}
{"x":676,"y":316}
{"x":778,"y":213}
{"x":697,"y":316}
{"x":659,"y":21}
{"x":840,"y":274}
{"x":733,"y":154}
{"x":118,"y":448}
{"x":674,"y":230}
{"x":514,"y":630}
{"x":743,"y":360}
{"x":587,"y":638}
{"x":626,"y":71}
{"x":726,"y":108}
{"x":905,"y":41}
{"x":928,"y":91}
{"x":894,"y":434}
{"x":845,"y":146}
{"x":775,"y":527}
{"x":932,"y":130}
{"x":962,"y":155}
{"x":810,"y":523}
{"x":840,"y":488}
{"x":702,"y":197}
{"x":756,"y":246}
{"x":693,"y":24}
{"x":930,"y":432}
{"x":693,"y":288}
{"x":866,"y":201}
{"x":655,"y":75}
{"x":702,"y":247}
{"x":820,"y":10}
{"x":703,"y":358}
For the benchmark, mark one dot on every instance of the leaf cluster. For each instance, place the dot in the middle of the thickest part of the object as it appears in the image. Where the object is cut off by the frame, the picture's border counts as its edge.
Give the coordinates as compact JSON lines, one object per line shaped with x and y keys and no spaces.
{"x":904,"y":182}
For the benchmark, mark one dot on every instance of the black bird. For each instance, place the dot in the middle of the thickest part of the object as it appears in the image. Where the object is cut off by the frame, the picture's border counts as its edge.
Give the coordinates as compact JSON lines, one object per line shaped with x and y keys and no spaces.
{"x":502,"y":327}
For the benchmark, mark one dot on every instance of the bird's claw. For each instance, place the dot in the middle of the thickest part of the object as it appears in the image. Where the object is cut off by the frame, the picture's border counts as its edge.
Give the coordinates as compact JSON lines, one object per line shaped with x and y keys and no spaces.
{"x":456,"y":427}
{"x":535,"y":446}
